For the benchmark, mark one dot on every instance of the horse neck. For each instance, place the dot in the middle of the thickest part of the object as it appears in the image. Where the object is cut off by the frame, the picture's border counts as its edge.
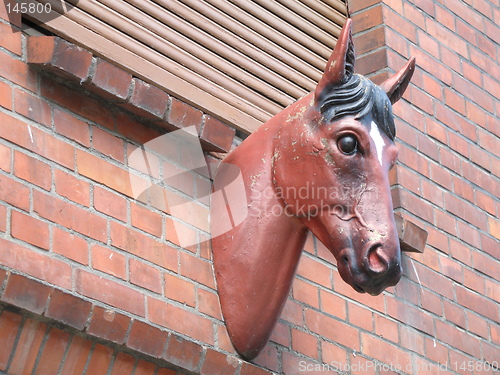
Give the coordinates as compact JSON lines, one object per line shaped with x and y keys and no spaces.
{"x":255,"y":261}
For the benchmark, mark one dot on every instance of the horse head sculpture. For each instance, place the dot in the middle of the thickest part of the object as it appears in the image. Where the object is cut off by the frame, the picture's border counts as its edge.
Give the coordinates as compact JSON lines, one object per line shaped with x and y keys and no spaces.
{"x":320,"y":165}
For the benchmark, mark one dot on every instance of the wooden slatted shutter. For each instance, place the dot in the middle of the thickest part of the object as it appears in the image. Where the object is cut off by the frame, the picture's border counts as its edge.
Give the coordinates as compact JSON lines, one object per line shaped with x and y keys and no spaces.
{"x":239,"y":60}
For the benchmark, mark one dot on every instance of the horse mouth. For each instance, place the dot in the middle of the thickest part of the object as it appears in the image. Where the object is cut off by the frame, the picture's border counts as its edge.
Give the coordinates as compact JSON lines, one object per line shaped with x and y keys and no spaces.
{"x":364,"y":281}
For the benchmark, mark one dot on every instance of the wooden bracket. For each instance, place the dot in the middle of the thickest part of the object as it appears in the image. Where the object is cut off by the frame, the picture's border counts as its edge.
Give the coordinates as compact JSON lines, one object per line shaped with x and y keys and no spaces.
{"x":412,"y":238}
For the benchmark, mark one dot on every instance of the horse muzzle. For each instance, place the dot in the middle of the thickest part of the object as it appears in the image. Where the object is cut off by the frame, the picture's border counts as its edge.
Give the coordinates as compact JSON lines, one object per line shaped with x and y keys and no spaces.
{"x":373,"y":269}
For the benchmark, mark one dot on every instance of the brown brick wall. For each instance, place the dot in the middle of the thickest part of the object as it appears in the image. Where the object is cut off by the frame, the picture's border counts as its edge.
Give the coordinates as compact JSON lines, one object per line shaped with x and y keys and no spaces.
{"x":100,"y":278}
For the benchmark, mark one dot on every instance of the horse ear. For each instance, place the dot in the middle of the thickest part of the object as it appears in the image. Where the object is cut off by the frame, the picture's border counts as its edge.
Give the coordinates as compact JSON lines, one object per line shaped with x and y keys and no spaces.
{"x":395,"y":86}
{"x":340,"y":65}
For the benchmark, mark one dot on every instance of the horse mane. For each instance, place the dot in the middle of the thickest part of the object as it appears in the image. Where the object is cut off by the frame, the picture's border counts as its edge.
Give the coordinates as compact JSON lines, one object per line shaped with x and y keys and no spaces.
{"x":358,"y":97}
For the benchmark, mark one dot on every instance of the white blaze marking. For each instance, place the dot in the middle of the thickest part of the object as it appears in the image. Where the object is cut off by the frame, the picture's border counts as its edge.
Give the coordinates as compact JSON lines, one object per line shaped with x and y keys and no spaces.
{"x":378,"y":140}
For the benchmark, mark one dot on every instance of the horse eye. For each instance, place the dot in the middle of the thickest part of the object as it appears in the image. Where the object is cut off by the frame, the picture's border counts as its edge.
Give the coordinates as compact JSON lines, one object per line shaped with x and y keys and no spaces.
{"x":348,"y":144}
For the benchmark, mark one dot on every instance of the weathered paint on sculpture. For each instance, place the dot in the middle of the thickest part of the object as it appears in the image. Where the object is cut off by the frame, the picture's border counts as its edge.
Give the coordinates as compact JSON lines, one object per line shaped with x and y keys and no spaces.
{"x":320,"y":165}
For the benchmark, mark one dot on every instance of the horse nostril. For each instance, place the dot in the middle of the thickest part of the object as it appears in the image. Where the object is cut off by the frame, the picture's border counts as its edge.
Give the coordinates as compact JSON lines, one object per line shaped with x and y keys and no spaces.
{"x":376,"y":261}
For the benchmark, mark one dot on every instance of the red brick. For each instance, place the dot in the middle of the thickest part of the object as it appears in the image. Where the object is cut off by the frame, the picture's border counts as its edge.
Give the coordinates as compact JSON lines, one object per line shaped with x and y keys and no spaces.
{"x":17,"y":71}
{"x":473,"y":280}
{"x":109,"y":261}
{"x":217,"y":135}
{"x":454,"y":314}
{"x":360,"y":316}
{"x":77,"y":356}
{"x":166,"y":371}
{"x":109,"y":325}
{"x":486,"y":264}
{"x":305,"y":343}
{"x":72,"y":188}
{"x":26,"y":293}
{"x":30,"y":229}
{"x":32,"y":170}
{"x":183,"y":353}
{"x":183,"y":115}
{"x":145,"y":276}
{"x":197,"y":269}
{"x":368,"y":19}
{"x":68,"y":309}
{"x":33,"y":108}
{"x":143,"y":160}
{"x":463,"y":189}
{"x":180,"y":234}
{"x":143,"y":246}
{"x":219,"y":363}
{"x":71,"y":127}
{"x":332,"y":329}
{"x":144,"y":368}
{"x":57,"y":53}
{"x":485,"y":202}
{"x":75,"y":101}
{"x":451,"y":268}
{"x":386,"y":328}
{"x":180,"y":320}
{"x":110,"y":203}
{"x":315,"y":271}
{"x":378,"y":349}
{"x":293,"y":313}
{"x":477,"y":303}
{"x":441,"y":176}
{"x":433,"y":280}
{"x":27,"y":348}
{"x":144,"y":218}
{"x":249,"y":369}
{"x":178,"y":178}
{"x":432,"y":87}
{"x":305,"y":292}
{"x":370,"y":40}
{"x":458,"y":339}
{"x":110,"y":292}
{"x":9,"y":328}
{"x":53,"y":353}
{"x":362,"y":4}
{"x":100,"y":360}
{"x":123,"y":364}
{"x":38,"y":265}
{"x":410,"y":315}
{"x":180,"y":290}
{"x":224,"y":342}
{"x":108,"y":144}
{"x":344,"y":289}
{"x":3,"y":275}
{"x":208,"y":303}
{"x":70,"y":246}
{"x":147,"y":339}
{"x":132,"y":129}
{"x":70,"y":216}
{"x":3,"y":218}
{"x":108,"y":174}
{"x":466,"y":211}
{"x":147,"y":100}
{"x":109,"y":81}
{"x":332,"y":352}
{"x":10,"y":40}
{"x":436,"y":351}
{"x":5,"y":157}
{"x":489,"y":243}
{"x":37,"y":141}
{"x":333,"y":305}
{"x":268,"y":358}
{"x":477,"y":325}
